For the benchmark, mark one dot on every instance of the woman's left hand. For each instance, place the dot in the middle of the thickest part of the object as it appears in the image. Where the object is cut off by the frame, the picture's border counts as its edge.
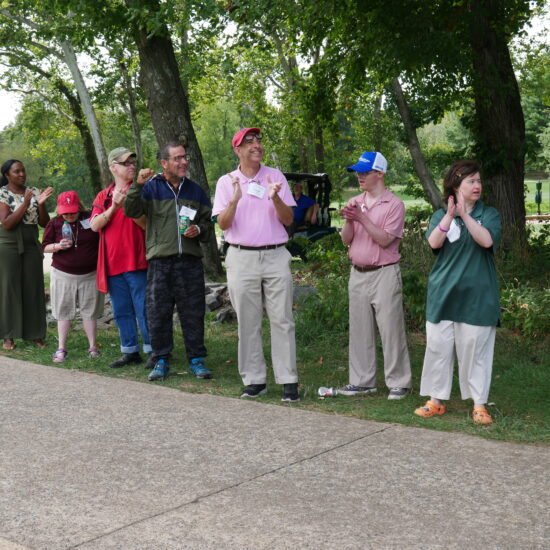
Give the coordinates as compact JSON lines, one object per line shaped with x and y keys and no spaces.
{"x":43,"y":196}
{"x":460,"y":204}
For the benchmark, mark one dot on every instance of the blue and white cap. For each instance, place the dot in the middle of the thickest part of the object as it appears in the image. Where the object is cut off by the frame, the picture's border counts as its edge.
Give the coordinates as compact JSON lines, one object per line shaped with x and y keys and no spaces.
{"x":370,"y":161}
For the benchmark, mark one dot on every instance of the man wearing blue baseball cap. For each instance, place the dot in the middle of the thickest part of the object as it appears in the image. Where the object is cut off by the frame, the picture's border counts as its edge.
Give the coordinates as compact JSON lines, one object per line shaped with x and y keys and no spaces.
{"x":373,"y":228}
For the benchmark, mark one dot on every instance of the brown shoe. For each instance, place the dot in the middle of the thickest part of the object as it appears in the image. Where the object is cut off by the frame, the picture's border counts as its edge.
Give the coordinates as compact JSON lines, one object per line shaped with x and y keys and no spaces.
{"x":430,"y":409}
{"x":480,"y":415}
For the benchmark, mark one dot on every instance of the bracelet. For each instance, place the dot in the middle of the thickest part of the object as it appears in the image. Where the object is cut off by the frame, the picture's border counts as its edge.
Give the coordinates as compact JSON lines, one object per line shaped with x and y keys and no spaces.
{"x":441,"y":229}
{"x":105,"y":216}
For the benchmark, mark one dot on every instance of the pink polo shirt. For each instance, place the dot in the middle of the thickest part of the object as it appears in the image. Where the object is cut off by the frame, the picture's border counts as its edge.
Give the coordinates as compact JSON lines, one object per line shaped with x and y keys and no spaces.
{"x":255,"y":222}
{"x":388,"y":213}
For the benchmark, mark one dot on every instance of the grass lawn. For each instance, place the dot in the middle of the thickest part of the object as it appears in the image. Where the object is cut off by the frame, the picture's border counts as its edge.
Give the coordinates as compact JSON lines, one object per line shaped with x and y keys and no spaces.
{"x":519,"y":402}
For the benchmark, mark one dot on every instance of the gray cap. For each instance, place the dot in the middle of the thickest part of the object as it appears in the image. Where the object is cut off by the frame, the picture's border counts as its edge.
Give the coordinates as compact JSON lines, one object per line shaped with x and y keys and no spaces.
{"x":121,"y":154}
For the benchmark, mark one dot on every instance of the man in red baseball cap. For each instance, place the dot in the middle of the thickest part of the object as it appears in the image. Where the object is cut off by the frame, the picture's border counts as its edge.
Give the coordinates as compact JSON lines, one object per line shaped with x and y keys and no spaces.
{"x":254,"y":205}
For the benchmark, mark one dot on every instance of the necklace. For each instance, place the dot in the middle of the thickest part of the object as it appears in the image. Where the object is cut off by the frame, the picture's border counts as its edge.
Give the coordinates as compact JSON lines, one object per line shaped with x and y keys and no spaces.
{"x":75,"y":237}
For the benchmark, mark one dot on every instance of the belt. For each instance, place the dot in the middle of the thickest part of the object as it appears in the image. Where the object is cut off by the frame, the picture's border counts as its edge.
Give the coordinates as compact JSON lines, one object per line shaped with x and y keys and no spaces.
{"x":265,"y":247}
{"x":364,"y":268}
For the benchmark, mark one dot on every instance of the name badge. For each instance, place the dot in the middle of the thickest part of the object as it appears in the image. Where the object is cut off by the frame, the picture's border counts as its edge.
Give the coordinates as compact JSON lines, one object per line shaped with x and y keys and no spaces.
{"x":454,"y":232}
{"x":256,"y":190}
{"x":189,"y":212}
{"x":85,"y":224}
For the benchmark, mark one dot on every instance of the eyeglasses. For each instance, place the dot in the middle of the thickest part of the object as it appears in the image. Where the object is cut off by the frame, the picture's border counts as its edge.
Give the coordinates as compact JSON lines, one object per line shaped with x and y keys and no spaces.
{"x":249,"y":138}
{"x":126,"y":163}
{"x":179,"y":158}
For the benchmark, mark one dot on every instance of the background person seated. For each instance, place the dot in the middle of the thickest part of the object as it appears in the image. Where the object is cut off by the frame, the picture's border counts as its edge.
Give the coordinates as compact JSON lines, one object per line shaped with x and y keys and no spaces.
{"x":305,"y":213}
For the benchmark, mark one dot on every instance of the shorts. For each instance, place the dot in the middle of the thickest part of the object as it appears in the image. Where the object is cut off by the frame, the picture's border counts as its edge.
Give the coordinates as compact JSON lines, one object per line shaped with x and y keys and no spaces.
{"x":69,"y":292}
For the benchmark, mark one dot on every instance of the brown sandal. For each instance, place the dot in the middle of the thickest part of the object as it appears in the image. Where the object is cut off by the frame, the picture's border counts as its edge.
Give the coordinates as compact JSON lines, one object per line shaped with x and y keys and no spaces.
{"x":480,"y":415}
{"x":9,"y":344}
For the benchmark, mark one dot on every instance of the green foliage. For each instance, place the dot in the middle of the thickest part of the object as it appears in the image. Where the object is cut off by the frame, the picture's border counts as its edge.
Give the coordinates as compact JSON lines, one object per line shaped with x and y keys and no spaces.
{"x":526,"y":310}
{"x":215,"y":125}
{"x":416,"y":263}
{"x":524,"y":277}
{"x":325,"y":315}
{"x":414,"y":298}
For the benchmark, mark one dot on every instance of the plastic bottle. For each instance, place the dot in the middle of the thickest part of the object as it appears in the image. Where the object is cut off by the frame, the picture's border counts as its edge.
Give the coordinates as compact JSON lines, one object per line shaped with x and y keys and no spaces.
{"x":327,"y":392}
{"x":67,"y":233}
{"x":183,"y":224}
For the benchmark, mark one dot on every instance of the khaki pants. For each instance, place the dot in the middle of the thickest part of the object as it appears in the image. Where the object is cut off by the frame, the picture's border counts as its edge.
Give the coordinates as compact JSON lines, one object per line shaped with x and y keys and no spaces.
{"x":256,"y":278}
{"x":474,"y":351}
{"x":375,"y":298}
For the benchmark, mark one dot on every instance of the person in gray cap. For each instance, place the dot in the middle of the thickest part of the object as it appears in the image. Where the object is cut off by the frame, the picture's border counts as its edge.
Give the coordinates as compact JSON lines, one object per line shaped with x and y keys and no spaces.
{"x":373,"y":228}
{"x":121,"y":265}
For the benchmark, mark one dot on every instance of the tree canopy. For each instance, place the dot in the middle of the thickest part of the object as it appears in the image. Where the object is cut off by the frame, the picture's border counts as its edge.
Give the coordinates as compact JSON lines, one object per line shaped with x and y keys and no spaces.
{"x":325,"y":80}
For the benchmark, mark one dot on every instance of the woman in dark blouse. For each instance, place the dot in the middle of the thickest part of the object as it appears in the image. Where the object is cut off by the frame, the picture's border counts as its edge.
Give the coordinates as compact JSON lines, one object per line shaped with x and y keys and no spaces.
{"x":73,"y":272}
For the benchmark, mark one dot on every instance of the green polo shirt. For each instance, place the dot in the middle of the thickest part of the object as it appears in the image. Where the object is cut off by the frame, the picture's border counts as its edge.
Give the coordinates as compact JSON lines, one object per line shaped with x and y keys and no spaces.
{"x":462,"y":286}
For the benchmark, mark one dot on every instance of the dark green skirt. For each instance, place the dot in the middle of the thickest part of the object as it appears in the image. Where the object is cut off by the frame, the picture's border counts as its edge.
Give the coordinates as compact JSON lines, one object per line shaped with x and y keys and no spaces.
{"x":22,"y":299}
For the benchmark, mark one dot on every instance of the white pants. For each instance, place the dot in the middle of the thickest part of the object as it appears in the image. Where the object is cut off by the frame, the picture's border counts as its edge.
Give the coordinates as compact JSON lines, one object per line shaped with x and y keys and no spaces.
{"x":255,"y":278}
{"x":474,"y":352}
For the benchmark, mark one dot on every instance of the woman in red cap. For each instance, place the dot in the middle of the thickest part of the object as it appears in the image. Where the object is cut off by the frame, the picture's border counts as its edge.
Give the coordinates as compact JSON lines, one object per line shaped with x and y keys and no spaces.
{"x":73,"y":271}
{"x":22,"y":300}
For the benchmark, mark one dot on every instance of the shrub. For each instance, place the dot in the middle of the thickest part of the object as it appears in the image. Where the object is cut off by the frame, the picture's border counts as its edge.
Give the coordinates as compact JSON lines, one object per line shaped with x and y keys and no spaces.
{"x":525,"y":310}
{"x":325,"y":314}
{"x":415,"y":286}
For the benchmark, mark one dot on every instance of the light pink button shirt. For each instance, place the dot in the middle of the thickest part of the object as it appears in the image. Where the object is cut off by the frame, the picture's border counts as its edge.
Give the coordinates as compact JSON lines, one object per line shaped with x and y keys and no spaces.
{"x":388,"y":213}
{"x":255,"y":222}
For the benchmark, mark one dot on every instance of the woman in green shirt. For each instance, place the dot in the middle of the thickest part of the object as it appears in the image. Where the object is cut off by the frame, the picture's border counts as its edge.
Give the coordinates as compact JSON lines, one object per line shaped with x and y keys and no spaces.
{"x":462,"y":309}
{"x":22,"y":300}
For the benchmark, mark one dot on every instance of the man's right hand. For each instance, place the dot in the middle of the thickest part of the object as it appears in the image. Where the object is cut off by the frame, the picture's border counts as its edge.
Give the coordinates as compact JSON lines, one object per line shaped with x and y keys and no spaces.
{"x":118,"y":199}
{"x":237,"y":191}
{"x":145,"y":174}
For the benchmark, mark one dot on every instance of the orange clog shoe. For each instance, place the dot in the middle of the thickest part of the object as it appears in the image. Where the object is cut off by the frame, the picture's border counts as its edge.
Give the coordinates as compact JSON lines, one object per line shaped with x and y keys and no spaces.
{"x":480,"y":415}
{"x":430,"y":409}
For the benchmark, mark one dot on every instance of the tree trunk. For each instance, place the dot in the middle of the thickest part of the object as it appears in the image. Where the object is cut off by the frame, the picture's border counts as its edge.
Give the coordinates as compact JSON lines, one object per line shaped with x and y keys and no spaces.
{"x":71,"y":61}
{"x":377,"y":116}
{"x":500,"y":125}
{"x":168,"y":107}
{"x":78,"y":118}
{"x":319,"y":148}
{"x":304,"y":161}
{"x":87,"y":141}
{"x":419,"y":162}
{"x":130,"y":93}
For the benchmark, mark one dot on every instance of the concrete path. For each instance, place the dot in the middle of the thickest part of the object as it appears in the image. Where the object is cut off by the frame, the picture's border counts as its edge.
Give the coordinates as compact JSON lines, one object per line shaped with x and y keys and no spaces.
{"x":91,"y":462}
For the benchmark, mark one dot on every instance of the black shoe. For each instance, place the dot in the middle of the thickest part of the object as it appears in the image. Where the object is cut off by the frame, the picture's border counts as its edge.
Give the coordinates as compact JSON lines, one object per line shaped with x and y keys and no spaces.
{"x":253,"y":390}
{"x":150,"y":363}
{"x":290,"y":393}
{"x":127,"y":359}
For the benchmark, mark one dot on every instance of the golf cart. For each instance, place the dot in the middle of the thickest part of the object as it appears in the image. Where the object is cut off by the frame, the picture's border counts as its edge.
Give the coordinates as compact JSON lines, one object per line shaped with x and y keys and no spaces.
{"x":317,"y":187}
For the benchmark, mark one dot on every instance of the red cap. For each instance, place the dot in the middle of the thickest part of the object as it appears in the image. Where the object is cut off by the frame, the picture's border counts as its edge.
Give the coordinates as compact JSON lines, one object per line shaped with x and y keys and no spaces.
{"x":68,"y":202}
{"x":238,"y":137}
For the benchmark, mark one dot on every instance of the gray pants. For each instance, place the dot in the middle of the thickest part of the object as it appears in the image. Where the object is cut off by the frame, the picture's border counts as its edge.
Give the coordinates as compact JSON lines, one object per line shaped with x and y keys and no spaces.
{"x":255,"y":278}
{"x":375,"y":298}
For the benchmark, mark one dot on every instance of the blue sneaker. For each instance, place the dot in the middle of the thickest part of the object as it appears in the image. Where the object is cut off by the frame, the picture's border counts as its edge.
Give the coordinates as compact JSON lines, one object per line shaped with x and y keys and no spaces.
{"x":160,"y":372}
{"x":198,"y":369}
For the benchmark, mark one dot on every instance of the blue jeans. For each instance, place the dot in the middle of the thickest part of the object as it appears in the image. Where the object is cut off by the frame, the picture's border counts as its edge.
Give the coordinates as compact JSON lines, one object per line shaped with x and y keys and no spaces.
{"x":127,"y":292}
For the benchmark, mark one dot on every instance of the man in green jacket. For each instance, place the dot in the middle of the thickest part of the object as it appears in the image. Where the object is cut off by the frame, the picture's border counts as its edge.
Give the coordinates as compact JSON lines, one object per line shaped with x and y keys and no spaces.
{"x":178,"y":214}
